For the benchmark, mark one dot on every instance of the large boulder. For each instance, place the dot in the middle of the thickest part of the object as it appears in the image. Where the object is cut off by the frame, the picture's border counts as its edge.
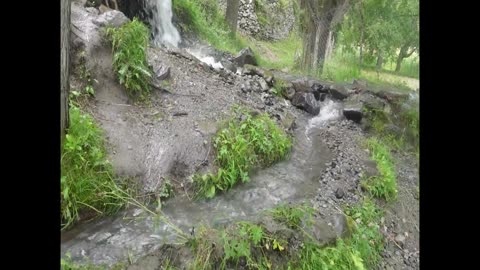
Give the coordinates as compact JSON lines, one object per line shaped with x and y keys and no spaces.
{"x":112,"y":18}
{"x":339,"y":91}
{"x":245,"y":56}
{"x":319,"y":230}
{"x":306,"y":101}
{"x":353,"y":108}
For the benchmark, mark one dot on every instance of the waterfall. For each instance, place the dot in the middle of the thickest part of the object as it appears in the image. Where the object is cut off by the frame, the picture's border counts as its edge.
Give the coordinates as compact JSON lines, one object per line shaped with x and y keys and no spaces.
{"x":164,"y":30}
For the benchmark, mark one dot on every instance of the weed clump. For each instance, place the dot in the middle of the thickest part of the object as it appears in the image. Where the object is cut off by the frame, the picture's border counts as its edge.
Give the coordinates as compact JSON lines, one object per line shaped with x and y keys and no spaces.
{"x":87,"y":184}
{"x":242,"y":146}
{"x":129,"y":45}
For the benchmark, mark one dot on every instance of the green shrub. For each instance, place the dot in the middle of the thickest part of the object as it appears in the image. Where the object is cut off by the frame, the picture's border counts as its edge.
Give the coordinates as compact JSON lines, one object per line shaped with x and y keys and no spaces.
{"x":243,"y":145}
{"x":87,"y":181}
{"x":129,"y":44}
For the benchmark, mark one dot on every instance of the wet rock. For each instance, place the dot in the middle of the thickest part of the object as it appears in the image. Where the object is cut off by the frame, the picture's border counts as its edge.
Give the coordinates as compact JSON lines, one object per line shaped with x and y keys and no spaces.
{"x":391,"y":96}
{"x":245,"y":56}
{"x":319,"y":88}
{"x":245,"y":87}
{"x":162,"y":73}
{"x":370,"y":168}
{"x":359,"y":84}
{"x":112,"y":18}
{"x":341,"y":226}
{"x":338,"y":91}
{"x":306,"y":101}
{"x":288,"y":120}
{"x":289,"y":92}
{"x":371,"y":102}
{"x":322,"y":97}
{"x":339,"y":193}
{"x":320,"y":230}
{"x":228,"y":65}
{"x":301,"y":85}
{"x":263,"y":84}
{"x":92,"y":10}
{"x":353,"y":111}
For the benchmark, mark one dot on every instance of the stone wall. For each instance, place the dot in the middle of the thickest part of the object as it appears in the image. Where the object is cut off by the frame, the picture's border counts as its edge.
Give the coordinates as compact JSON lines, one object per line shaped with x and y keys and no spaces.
{"x":275,"y":22}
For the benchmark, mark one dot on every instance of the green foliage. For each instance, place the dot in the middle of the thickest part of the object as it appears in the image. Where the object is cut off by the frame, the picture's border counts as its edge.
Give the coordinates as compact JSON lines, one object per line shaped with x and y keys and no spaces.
{"x":292,"y":216}
{"x":129,"y":44}
{"x":280,"y":54}
{"x":341,"y":68}
{"x":206,"y":19}
{"x":361,"y":251}
{"x":386,"y":27}
{"x":384,"y":185}
{"x":259,"y":248}
{"x":85,"y":75}
{"x":166,"y":191}
{"x":68,"y":264}
{"x":261,"y":12}
{"x":223,"y":249}
{"x":86,"y":175}
{"x":240,"y":147}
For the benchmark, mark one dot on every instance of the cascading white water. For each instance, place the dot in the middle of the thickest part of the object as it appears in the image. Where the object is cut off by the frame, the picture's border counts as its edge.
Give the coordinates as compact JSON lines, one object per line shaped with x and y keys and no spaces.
{"x":329,"y":110}
{"x":204,"y":57}
{"x":165,"y":32}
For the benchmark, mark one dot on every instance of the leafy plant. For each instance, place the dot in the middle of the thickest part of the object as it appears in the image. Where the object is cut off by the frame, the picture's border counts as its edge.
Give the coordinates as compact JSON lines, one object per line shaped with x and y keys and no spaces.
{"x":129,"y":45}
{"x":87,"y":182}
{"x":243,"y":145}
{"x":292,"y":216}
{"x":206,"y":19}
{"x":360,"y":251}
{"x":384,"y":185}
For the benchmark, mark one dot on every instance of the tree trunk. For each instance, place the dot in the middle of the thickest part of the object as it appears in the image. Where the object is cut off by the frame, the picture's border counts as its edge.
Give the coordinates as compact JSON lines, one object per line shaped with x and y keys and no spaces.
{"x":330,"y":45}
{"x":323,"y":29}
{"x":64,"y":66}
{"x":309,"y":34}
{"x":401,"y":55}
{"x":231,"y":15}
{"x":319,"y":15}
{"x":361,"y":34}
{"x":379,"y":61}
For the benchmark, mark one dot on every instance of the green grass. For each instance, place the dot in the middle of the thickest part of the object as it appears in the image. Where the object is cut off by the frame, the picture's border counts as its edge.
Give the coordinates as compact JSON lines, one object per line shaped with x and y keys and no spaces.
{"x":360,"y":251}
{"x":278,"y":54}
{"x":291,"y":216}
{"x":225,"y":248}
{"x":385,"y":184}
{"x":341,"y":68}
{"x":261,"y":249}
{"x":205,"y":19}
{"x":87,"y":184}
{"x":129,"y":44}
{"x":240,"y":147}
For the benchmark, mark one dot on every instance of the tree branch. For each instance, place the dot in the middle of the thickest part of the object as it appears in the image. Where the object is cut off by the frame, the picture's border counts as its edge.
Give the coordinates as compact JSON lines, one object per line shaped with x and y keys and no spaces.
{"x":410,"y":53}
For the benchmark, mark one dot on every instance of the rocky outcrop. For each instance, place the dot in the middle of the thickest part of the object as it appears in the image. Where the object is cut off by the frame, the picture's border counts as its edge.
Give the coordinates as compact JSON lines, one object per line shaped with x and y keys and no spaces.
{"x":269,"y":20}
{"x":112,"y":18}
{"x":245,"y":56}
{"x":86,"y":24}
{"x":306,"y":101}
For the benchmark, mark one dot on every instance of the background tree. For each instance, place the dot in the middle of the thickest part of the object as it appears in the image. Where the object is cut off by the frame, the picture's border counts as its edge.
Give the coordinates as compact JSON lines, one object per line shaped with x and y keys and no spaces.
{"x":231,"y":15}
{"x":381,"y":28}
{"x":64,"y":66}
{"x":318,"y":19}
